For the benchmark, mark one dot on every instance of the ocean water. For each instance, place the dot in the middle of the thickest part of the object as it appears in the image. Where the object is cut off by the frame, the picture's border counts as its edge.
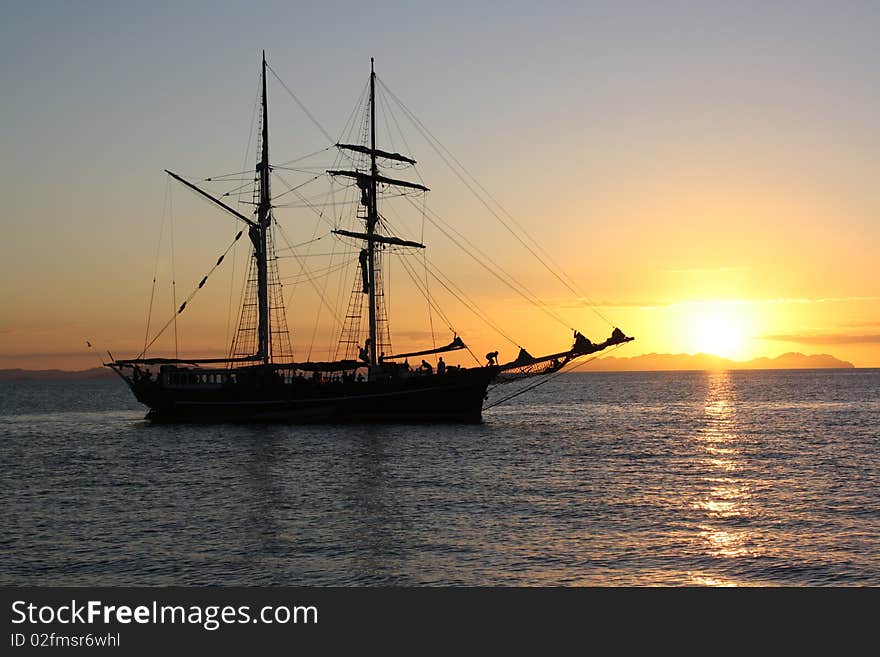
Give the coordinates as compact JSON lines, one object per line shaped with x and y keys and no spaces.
{"x":679,"y":478}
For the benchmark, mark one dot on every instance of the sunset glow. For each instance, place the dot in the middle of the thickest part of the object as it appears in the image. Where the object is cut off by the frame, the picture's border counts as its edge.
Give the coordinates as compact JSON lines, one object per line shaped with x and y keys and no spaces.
{"x":723,"y":203}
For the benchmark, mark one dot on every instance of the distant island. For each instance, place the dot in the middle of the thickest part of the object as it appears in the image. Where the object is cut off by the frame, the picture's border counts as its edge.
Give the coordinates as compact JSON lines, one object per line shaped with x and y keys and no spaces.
{"x":643,"y":363}
{"x":20,"y":374}
{"x":667,"y":362}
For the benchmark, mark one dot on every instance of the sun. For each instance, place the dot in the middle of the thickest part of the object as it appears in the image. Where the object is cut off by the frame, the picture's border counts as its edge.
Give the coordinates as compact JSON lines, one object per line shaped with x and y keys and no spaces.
{"x":717,"y":328}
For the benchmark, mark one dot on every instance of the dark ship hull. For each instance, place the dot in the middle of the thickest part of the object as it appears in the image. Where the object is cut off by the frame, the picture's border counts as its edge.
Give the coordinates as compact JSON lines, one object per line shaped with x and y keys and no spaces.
{"x":265,"y":394}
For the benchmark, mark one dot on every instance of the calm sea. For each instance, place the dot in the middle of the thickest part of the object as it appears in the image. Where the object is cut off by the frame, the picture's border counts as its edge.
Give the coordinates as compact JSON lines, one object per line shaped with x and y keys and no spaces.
{"x":686,"y":478}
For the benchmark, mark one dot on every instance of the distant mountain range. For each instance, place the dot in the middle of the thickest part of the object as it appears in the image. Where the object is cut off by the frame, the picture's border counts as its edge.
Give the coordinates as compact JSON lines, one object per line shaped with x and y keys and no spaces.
{"x":18,"y":374}
{"x":643,"y":363}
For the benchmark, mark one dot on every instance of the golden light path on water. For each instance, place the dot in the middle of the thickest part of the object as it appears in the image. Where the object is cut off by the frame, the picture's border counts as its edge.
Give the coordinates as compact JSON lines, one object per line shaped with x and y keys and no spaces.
{"x":729,"y":495}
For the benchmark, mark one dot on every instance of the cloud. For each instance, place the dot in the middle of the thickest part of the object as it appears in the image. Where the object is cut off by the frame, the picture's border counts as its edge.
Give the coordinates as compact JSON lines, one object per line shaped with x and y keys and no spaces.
{"x":626,"y":304}
{"x":666,"y":303}
{"x":829,"y":338}
{"x":703,"y":270}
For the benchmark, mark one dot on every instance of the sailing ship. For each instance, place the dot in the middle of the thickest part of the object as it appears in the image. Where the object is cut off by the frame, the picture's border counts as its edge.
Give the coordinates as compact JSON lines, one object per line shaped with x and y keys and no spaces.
{"x":259,"y":379}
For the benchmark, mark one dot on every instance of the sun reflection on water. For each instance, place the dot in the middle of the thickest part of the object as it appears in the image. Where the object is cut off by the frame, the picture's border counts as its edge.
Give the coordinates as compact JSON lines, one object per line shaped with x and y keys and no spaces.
{"x":726,"y":543}
{"x":723,"y":464}
{"x":726,"y":500}
{"x":703,"y":580}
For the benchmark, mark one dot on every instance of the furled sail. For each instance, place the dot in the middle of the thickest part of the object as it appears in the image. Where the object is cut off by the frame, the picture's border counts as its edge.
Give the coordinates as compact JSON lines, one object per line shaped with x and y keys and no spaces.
{"x":377,"y":152}
{"x":383,"y":239}
{"x":525,"y":365}
{"x":457,"y":343}
{"x":360,"y":175}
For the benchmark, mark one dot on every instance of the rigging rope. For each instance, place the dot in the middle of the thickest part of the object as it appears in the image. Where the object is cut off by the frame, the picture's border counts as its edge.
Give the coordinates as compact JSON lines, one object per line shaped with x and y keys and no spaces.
{"x":469,"y":303}
{"x":440,"y":149}
{"x":508,"y":279}
{"x":190,"y":297}
{"x":173,"y":275}
{"x":316,"y":273}
{"x":310,"y":279}
{"x":307,"y":242}
{"x":457,"y":292}
{"x":247,"y":152}
{"x":317,"y":255}
{"x":410,"y":270}
{"x":156,"y":262}
{"x":302,"y":198}
{"x":427,"y":289}
{"x":323,"y":293}
{"x":301,"y":106}
{"x":406,"y":144}
{"x":382,"y":104}
{"x":293,"y":189}
{"x":505,"y":277}
{"x":302,"y":157}
{"x":222,"y":177}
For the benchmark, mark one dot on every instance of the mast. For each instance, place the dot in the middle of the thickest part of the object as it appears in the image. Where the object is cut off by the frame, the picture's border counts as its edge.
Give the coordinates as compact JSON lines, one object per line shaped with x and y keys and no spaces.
{"x":368,"y":183}
{"x":372,"y":217}
{"x":258,"y":234}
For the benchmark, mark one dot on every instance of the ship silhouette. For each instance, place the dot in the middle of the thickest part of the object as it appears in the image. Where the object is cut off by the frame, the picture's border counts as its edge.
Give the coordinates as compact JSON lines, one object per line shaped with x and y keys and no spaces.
{"x":260,"y":380}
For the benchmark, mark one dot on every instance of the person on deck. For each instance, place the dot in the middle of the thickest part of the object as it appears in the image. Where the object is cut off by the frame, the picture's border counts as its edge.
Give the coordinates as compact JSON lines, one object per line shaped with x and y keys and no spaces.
{"x":364,"y":352}
{"x":426,"y":367}
{"x":492,"y":358}
{"x":441,"y":366}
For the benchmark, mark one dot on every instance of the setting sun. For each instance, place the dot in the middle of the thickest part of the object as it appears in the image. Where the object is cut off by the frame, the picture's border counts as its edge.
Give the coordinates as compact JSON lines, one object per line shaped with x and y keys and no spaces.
{"x":717,"y":328}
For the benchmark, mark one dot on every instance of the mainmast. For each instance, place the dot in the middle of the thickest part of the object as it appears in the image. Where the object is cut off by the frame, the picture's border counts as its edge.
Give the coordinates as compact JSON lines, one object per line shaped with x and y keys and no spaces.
{"x":258,"y":234}
{"x":372,"y":217}
{"x":368,"y":184}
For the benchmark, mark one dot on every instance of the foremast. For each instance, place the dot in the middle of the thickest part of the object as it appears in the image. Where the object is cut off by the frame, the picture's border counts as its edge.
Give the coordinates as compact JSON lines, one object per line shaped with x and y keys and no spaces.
{"x":372,"y":219}
{"x":258,"y":233}
{"x":262,"y":334}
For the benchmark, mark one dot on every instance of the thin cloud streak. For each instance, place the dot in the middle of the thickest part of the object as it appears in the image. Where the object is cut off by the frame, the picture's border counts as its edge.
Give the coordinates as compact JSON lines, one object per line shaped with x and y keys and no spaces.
{"x":831,"y":338}
{"x":703,"y":270}
{"x":659,"y":303}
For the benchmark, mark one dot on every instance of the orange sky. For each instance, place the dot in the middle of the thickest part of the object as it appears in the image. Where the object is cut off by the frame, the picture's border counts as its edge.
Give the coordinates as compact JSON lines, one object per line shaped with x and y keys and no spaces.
{"x":708,"y":177}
